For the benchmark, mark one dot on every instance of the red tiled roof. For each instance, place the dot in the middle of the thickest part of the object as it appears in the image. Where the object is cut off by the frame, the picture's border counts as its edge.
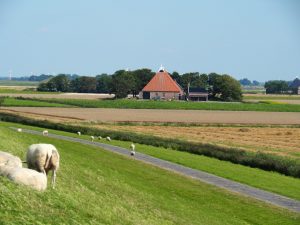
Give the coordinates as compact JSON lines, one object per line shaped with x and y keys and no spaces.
{"x":162,"y":82}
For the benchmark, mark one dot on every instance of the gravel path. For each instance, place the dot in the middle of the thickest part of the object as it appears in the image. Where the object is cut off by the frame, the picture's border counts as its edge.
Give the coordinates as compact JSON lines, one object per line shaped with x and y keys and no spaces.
{"x":233,"y":186}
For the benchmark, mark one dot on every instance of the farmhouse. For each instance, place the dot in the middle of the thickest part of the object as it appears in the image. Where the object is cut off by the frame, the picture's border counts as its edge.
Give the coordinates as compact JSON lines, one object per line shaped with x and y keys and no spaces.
{"x":162,"y":86}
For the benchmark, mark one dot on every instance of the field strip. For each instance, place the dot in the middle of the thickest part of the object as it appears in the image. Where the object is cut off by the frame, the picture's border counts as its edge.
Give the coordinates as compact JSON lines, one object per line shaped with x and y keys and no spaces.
{"x":164,"y":115}
{"x":49,"y":115}
{"x":60,"y":95}
{"x":220,"y":182}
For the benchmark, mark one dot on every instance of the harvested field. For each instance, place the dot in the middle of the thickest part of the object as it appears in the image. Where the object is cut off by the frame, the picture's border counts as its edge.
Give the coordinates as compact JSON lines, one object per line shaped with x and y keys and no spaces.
{"x":60,"y":96}
{"x":278,"y":140}
{"x":157,"y":115}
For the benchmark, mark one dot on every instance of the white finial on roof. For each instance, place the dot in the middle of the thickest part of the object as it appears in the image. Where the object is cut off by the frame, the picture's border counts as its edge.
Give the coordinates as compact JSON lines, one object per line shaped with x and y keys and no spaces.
{"x":161,"y":68}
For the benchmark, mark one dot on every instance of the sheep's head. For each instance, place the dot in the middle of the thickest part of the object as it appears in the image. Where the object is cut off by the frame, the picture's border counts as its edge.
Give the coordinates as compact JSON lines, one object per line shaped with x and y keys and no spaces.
{"x":53,"y":163}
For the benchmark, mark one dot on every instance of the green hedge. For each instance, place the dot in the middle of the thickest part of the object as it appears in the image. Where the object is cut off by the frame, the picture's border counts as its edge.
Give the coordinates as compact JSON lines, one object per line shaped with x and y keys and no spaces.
{"x":269,"y":162}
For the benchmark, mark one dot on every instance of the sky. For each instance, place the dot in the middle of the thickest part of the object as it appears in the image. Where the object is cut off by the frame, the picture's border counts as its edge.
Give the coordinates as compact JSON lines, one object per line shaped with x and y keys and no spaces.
{"x":256,"y":39}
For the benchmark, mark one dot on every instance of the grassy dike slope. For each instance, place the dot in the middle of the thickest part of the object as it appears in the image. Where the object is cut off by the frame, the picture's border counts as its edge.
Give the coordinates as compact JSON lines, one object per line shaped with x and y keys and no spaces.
{"x":95,"y":186}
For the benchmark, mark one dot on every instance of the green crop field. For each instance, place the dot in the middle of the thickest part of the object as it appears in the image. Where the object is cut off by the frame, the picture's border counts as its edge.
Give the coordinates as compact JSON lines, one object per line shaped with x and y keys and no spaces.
{"x":8,"y":101}
{"x":5,"y":90}
{"x":271,"y":97}
{"x":141,"y":104}
{"x":18,"y":83}
{"x":99,"y":187}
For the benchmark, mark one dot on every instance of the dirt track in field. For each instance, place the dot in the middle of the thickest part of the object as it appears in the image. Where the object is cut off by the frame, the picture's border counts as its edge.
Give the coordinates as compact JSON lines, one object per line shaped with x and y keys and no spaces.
{"x":157,"y":115}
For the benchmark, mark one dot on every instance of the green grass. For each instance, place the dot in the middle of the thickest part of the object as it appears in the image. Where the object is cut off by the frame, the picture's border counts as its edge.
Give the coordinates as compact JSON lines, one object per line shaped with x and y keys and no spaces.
{"x":151,"y":104}
{"x":30,"y":103}
{"x":99,"y":187}
{"x":273,"y":97}
{"x":18,"y":83}
{"x":270,"y":181}
{"x":24,"y":91}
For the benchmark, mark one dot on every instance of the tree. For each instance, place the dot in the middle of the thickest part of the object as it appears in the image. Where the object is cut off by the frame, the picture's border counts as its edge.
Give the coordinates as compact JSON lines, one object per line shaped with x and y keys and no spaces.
{"x":58,"y":83}
{"x":276,"y":87}
{"x":295,"y":84}
{"x":123,"y":83}
{"x":141,"y":78}
{"x":104,"y":83}
{"x":230,"y":89}
{"x":213,"y":83}
{"x":245,"y":82}
{"x":176,"y":76}
{"x":84,"y":84}
{"x":42,"y":87}
{"x":194,"y":79}
{"x":203,"y":80}
{"x":224,"y":87}
{"x":255,"y":83}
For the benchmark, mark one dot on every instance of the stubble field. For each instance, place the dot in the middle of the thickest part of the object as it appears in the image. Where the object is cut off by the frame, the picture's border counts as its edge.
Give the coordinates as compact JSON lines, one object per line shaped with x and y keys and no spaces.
{"x":283,"y":141}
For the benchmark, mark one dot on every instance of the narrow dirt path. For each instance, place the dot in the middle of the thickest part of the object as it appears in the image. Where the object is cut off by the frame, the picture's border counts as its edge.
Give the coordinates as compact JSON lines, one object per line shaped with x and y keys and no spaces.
{"x":220,"y":182}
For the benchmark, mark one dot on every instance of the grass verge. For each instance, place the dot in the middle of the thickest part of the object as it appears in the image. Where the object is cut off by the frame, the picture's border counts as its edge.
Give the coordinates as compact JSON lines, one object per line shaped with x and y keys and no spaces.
{"x":269,"y":162}
{"x":99,"y":187}
{"x":9,"y":101}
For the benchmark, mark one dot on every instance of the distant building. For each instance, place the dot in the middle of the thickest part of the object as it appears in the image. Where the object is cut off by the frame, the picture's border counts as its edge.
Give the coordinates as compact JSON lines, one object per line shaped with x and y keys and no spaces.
{"x":197,"y":94}
{"x":162,"y":86}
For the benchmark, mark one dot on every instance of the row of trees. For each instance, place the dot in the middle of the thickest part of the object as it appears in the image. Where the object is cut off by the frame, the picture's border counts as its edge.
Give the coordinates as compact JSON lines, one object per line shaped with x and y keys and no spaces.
{"x":247,"y":82}
{"x":122,"y":83}
{"x":282,"y":87}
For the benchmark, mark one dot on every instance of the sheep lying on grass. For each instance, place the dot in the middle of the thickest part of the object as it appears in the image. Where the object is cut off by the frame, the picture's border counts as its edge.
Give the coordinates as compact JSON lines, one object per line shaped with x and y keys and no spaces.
{"x":7,"y":159}
{"x":19,"y":130}
{"x":43,"y":158}
{"x":25,"y":176}
{"x":45,"y":133}
{"x":99,"y":137}
{"x":11,"y":167}
{"x":79,"y":133}
{"x":132,"y":147}
{"x":92,"y":138}
{"x":108,"y":139}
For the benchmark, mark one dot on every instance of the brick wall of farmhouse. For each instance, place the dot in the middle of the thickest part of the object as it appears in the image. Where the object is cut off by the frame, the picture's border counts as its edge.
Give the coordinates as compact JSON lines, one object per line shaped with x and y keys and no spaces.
{"x":164,"y":95}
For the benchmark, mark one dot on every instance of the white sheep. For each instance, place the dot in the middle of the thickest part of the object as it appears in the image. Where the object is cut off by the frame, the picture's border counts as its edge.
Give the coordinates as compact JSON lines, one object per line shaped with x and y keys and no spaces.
{"x":108,"y":138}
{"x":25,"y":176}
{"x":79,"y":133}
{"x":92,"y":138}
{"x":45,"y":133}
{"x":99,"y":137}
{"x":19,"y":130}
{"x":132,"y":147}
{"x":43,"y":158}
{"x":7,"y":159}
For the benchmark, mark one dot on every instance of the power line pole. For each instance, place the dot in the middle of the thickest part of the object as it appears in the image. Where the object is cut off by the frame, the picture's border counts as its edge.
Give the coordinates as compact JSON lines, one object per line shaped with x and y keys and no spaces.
{"x":10,"y":74}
